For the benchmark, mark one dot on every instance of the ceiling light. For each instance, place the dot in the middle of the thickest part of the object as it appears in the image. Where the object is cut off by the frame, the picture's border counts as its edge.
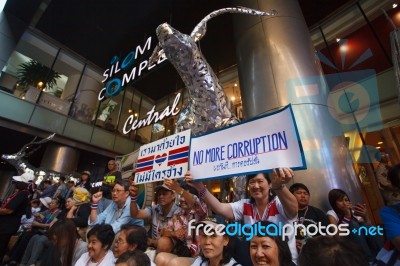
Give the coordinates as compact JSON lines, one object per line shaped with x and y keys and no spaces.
{"x":394,"y":5}
{"x":337,"y":39}
{"x":233,"y":98}
{"x":380,"y":142}
{"x":136,"y":114}
{"x":130,"y":111}
{"x":378,"y":147}
{"x":235,"y":85}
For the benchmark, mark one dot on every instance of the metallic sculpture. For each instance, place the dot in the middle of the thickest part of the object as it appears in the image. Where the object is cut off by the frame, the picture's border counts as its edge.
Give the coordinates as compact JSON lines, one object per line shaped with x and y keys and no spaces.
{"x":207,"y":109}
{"x":17,"y":159}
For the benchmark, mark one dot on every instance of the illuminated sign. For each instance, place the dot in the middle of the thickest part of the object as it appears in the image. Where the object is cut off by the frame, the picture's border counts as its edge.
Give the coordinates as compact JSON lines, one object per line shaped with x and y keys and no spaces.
{"x":152,"y":117}
{"x":115,"y":84}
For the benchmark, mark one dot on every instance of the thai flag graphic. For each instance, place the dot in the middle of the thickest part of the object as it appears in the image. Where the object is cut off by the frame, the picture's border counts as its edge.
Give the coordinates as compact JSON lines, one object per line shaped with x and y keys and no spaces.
{"x":178,"y":156}
{"x":145,"y":164}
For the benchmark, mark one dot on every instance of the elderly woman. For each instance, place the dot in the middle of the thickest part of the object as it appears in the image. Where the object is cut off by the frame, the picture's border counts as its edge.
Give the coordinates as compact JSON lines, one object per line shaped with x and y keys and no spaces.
{"x":269,"y":249}
{"x":100,"y":239}
{"x":130,"y":238}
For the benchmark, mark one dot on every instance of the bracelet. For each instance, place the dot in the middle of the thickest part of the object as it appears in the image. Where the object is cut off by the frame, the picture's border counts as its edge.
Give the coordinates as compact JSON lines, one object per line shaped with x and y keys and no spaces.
{"x":279,"y":188}
{"x":94,"y":206}
{"x":202,"y":192}
{"x":134,"y":198}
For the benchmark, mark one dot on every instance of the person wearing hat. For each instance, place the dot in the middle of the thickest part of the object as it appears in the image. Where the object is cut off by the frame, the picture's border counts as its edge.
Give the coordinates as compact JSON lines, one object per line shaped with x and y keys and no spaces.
{"x":85,"y":180}
{"x":215,"y":247}
{"x":164,"y":229}
{"x":307,"y":214}
{"x":13,"y":208}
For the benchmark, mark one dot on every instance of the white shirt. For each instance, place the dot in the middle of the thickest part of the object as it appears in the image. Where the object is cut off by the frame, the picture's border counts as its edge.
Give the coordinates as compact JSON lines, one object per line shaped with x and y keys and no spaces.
{"x":198,"y":261}
{"x":108,"y":260}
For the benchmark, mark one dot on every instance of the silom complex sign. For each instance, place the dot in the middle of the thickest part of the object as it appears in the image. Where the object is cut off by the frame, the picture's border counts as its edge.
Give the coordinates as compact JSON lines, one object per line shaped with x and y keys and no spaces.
{"x":126,"y":69}
{"x":114,"y":84}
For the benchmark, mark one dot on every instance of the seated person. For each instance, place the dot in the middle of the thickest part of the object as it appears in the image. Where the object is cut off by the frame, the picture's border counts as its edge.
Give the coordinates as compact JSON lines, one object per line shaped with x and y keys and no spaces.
{"x":307,"y":214}
{"x":215,"y":249}
{"x":390,"y":193}
{"x":269,"y":249}
{"x":100,"y":239}
{"x":133,"y":258}
{"x":331,"y":251}
{"x":342,"y":213}
{"x":130,"y":238}
{"x":165,"y":232}
{"x":118,"y":212}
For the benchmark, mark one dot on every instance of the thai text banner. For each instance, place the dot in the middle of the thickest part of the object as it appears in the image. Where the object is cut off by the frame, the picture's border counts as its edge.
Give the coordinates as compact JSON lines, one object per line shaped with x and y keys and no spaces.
{"x":164,"y":158}
{"x":260,"y":144}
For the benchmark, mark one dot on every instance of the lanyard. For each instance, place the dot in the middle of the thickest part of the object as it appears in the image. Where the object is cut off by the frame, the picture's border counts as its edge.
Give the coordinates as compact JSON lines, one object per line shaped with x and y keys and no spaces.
{"x":265,"y":214}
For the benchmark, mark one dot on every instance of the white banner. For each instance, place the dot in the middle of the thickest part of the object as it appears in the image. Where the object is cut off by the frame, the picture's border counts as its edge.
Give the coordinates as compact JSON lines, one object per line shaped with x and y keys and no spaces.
{"x":164,"y":158}
{"x":257,"y":145}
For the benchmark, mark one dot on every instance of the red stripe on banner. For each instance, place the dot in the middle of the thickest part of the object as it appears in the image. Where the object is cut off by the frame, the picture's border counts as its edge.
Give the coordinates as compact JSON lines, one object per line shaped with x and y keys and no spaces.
{"x":142,"y":169}
{"x":179,"y":161}
{"x":179,"y":150}
{"x":145,"y":159}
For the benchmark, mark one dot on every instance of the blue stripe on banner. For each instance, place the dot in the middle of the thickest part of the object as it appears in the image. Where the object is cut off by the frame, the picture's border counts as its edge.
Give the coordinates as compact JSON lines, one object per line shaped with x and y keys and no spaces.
{"x":177,"y":156}
{"x":144,"y":164}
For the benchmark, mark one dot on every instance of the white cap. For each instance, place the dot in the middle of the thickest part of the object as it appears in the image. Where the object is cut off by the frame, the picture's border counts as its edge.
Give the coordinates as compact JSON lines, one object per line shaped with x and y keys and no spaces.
{"x":45,"y":201}
{"x":25,"y":177}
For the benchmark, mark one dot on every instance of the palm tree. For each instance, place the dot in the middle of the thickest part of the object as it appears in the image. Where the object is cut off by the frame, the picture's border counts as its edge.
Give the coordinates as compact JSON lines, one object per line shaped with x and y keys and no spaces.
{"x":31,"y":73}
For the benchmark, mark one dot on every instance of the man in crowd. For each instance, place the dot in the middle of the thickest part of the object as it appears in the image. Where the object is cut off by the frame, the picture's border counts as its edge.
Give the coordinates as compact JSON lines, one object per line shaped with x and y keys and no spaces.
{"x":48,"y":189}
{"x":62,"y":189}
{"x":307,"y":214}
{"x":112,"y":176}
{"x":164,"y":230}
{"x":118,"y":212}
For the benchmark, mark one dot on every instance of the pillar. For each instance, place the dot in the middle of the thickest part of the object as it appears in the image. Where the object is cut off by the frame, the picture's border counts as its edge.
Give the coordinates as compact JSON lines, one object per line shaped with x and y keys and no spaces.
{"x":277,"y":66}
{"x":58,"y":158}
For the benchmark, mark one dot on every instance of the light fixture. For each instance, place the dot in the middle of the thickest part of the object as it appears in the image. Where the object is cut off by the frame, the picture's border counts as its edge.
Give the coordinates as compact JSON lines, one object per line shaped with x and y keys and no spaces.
{"x":44,"y":89}
{"x":235,"y":85}
{"x":130,"y":110}
{"x":380,"y":142}
{"x":337,"y":39}
{"x":378,"y":147}
{"x":136,"y":114}
{"x":233,"y":98}
{"x":394,"y":5}
{"x":40,"y":84}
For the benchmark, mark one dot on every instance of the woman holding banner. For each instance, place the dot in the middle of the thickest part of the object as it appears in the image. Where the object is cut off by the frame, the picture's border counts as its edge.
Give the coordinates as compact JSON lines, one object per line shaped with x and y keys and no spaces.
{"x":270,"y":200}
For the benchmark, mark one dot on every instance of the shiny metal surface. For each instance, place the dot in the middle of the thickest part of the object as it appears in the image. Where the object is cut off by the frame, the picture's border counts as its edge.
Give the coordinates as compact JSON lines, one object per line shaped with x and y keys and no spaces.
{"x":62,"y":159}
{"x":277,"y":66}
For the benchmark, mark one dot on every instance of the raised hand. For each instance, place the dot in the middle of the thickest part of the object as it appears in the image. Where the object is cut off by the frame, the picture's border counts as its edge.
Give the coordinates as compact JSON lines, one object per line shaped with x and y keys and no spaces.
{"x":171,"y":184}
{"x":133,"y":190}
{"x":97,"y":197}
{"x":189,"y":180}
{"x":280,"y":177}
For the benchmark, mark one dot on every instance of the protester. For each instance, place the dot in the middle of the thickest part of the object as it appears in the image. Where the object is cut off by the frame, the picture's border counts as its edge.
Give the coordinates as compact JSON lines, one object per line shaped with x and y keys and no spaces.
{"x":41,"y":224}
{"x":331,"y":251}
{"x":192,"y":208}
{"x":112,"y":176}
{"x":215,"y":249}
{"x":100,"y":239}
{"x":130,"y":238}
{"x":118,"y":212}
{"x":133,"y":258}
{"x":12,"y":210}
{"x":307,"y":214}
{"x":269,"y":249}
{"x":262,"y":206}
{"x":165,"y":231}
{"x":343,"y":213}
{"x":84,"y":181}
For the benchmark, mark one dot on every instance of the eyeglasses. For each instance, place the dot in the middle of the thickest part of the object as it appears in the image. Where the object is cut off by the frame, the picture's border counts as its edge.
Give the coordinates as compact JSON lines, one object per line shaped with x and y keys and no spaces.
{"x":117,"y":190}
{"x":119,"y":241}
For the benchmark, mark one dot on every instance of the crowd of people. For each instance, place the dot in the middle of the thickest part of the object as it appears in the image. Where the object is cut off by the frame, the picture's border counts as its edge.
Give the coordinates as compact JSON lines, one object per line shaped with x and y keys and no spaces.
{"x":77,"y":224}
